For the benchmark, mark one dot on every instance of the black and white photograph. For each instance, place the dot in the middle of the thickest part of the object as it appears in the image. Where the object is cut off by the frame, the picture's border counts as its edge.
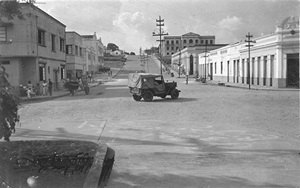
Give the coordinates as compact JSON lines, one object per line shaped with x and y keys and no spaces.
{"x":149,"y":94}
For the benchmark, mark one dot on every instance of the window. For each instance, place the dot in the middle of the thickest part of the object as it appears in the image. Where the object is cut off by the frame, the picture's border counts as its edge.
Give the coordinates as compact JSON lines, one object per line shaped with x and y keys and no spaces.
{"x":80,"y":52}
{"x":172,"y":42}
{"x":41,"y":37}
{"x":172,"y":48}
{"x":53,"y":43}
{"x":3,"y":34}
{"x":197,"y":41}
{"x":184,"y":41}
{"x":190,"y":41}
{"x":177,"y":42}
{"x":211,"y":41}
{"x":5,"y":62}
{"x":167,"y":48}
{"x":76,"y":50}
{"x":167,"y":53}
{"x":61,"y":44}
{"x":69,"y":49}
{"x":167,"y":42}
{"x":202,"y":41}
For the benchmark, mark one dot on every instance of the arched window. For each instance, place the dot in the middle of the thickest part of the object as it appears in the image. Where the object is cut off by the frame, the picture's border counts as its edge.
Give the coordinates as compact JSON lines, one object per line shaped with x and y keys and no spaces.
{"x":172,"y":42}
{"x":197,"y":41}
{"x":167,"y":42}
{"x":184,"y":41}
{"x":190,"y":41}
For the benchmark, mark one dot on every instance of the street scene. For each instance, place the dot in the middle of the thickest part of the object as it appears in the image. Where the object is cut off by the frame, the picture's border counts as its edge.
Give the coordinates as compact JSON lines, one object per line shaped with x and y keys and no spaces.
{"x":205,"y":138}
{"x":149,"y":94}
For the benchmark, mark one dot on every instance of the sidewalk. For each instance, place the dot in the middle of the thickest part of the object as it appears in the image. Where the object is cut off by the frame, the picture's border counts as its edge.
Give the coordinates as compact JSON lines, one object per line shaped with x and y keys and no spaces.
{"x":98,"y":79}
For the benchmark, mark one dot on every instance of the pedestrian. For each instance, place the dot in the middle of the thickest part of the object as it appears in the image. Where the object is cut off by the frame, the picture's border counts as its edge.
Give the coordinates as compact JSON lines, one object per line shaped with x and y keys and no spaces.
{"x":45,"y":87}
{"x":29,"y":89}
{"x":50,"y":87}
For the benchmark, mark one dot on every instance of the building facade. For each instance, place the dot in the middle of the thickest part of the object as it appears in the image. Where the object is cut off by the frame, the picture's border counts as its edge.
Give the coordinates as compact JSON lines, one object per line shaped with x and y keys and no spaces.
{"x":33,"y":48}
{"x":187,"y":59}
{"x":274,"y":60}
{"x":173,"y":44}
{"x":94,"y":52}
{"x":76,"y":64}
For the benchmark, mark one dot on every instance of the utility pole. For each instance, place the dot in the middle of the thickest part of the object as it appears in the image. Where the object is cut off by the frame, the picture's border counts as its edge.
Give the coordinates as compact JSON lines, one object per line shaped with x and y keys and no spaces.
{"x":160,"y":23}
{"x":249,"y":41}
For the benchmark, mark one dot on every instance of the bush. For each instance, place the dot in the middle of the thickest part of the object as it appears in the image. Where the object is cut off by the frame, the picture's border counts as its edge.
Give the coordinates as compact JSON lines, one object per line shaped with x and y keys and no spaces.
{"x":8,"y":107}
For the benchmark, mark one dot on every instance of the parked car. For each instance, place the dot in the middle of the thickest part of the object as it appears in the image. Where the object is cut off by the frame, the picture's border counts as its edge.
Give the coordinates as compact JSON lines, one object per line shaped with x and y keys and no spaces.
{"x":147,"y":85}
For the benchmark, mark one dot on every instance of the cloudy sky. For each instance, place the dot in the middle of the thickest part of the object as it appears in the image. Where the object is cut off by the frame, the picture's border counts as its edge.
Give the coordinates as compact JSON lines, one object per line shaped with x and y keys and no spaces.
{"x":130,"y":23}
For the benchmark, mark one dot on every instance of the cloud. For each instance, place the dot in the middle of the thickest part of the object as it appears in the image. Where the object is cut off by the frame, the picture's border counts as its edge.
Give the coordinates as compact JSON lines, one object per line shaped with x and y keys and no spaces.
{"x":230,"y":23}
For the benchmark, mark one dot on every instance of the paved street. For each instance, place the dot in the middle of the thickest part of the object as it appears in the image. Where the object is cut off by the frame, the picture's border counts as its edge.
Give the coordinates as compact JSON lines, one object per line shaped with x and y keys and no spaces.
{"x":211,"y":136}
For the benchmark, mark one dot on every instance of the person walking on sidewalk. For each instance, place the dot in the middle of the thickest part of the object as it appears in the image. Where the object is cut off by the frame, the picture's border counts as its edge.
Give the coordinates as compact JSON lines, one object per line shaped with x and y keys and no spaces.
{"x":50,"y":87}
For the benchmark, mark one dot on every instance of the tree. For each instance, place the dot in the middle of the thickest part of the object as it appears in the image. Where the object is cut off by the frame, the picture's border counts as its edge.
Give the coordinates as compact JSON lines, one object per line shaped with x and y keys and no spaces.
{"x":10,"y":9}
{"x":112,"y":46}
{"x":8,"y":107}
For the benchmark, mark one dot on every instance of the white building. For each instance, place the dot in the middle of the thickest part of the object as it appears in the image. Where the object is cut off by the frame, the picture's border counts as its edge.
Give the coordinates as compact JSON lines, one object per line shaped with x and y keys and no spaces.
{"x":274,"y":60}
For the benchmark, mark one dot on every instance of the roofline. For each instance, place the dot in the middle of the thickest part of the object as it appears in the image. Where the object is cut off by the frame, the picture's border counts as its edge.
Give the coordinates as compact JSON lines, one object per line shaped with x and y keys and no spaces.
{"x":73,"y":32}
{"x":45,"y":13}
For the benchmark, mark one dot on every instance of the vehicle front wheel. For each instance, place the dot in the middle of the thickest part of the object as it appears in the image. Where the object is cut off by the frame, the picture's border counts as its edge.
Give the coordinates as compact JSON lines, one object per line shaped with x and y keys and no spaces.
{"x":174,"y":94}
{"x":148,"y":96}
{"x":136,"y":97}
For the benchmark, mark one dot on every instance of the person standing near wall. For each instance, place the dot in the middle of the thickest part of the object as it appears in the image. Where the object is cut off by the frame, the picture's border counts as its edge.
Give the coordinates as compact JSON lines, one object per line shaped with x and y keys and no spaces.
{"x":50,"y":84}
{"x":44,"y":85}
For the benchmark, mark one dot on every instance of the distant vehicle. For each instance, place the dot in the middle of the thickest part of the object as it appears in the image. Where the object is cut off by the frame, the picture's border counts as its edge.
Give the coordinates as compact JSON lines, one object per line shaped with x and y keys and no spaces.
{"x":147,"y":85}
{"x":104,"y":69}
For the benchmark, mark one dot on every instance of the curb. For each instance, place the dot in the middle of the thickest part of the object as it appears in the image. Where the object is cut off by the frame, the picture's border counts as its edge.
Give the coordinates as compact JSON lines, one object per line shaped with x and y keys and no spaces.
{"x":35,"y":99}
{"x":251,"y":88}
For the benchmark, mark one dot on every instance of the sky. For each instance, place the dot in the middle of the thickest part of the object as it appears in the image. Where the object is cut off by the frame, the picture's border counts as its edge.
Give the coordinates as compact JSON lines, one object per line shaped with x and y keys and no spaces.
{"x":130,"y":23}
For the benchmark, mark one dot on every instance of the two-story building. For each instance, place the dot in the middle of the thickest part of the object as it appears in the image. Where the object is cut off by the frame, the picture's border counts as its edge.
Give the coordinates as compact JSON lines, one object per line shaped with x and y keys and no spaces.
{"x":173,"y":44}
{"x":76,"y":64}
{"x":273,"y":62}
{"x":33,"y":48}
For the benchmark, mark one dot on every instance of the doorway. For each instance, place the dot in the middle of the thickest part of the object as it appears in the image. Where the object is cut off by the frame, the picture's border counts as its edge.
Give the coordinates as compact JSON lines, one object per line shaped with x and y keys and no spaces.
{"x":211,"y":71}
{"x":191,"y":65}
{"x":292,"y":75}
